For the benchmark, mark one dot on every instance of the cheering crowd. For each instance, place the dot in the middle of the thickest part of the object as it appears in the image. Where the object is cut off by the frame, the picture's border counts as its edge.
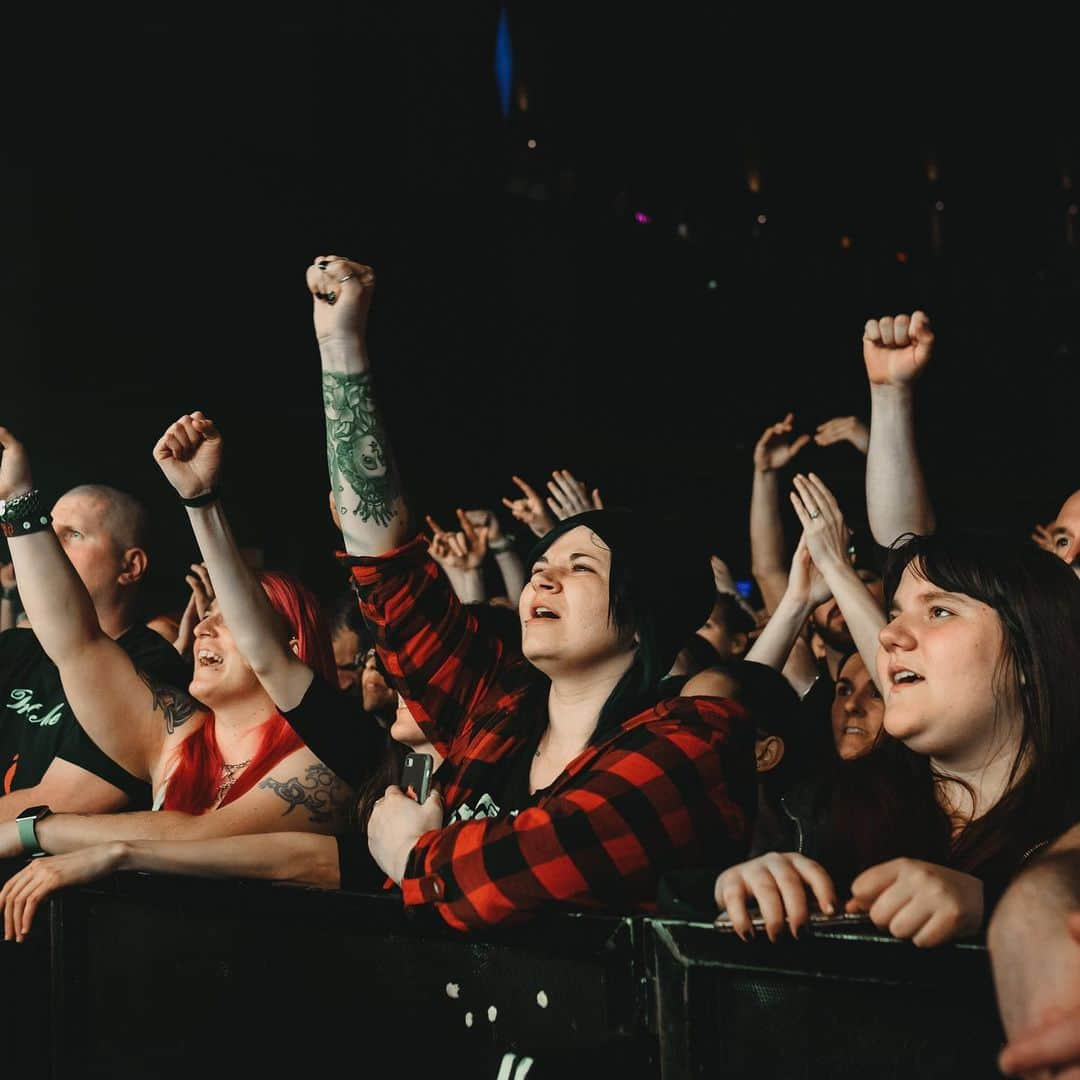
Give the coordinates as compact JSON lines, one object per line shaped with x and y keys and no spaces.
{"x":890,"y":735}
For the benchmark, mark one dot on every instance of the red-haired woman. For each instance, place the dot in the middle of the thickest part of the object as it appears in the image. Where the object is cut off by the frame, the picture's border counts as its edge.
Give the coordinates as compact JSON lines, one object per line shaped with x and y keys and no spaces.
{"x":224,"y":761}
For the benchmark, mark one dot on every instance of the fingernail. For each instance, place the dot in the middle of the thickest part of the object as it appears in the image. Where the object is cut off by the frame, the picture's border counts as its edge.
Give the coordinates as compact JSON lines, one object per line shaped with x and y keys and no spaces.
{"x":829,"y":909}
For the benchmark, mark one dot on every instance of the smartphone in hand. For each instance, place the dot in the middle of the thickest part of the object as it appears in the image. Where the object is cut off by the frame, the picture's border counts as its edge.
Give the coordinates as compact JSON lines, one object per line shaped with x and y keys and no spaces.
{"x":416,"y":776}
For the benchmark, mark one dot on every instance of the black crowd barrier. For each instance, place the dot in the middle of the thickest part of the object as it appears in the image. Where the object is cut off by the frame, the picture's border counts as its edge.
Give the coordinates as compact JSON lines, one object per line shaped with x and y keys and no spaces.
{"x":153,"y":976}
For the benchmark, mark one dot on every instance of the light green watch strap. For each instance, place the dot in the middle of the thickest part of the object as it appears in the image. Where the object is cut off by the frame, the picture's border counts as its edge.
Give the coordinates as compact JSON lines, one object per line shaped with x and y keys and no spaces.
{"x":28,"y":836}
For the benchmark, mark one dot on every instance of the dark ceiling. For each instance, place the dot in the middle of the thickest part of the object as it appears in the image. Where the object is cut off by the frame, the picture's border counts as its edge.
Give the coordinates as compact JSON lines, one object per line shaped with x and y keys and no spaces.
{"x":157,"y":225}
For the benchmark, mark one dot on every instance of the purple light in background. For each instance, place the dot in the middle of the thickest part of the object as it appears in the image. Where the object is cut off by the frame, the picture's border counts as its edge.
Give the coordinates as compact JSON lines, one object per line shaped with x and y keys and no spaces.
{"x":642,"y":219}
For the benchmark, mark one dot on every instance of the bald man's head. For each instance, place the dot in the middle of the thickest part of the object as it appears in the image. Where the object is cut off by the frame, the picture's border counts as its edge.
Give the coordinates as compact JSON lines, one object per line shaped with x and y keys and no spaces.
{"x":104,"y":533}
{"x":123,"y":517}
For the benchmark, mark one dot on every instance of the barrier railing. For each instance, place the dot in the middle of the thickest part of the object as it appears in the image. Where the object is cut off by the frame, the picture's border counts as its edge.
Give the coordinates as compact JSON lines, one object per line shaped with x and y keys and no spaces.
{"x":154,"y":976}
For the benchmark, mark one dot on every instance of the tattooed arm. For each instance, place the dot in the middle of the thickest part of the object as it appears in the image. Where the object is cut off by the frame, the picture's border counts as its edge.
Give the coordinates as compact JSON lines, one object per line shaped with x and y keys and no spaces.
{"x":299,"y":795}
{"x":364,"y":478}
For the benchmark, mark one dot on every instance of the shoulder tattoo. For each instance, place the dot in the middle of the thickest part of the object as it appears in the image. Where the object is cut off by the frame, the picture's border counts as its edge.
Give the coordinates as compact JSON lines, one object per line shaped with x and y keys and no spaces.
{"x":176,"y":706}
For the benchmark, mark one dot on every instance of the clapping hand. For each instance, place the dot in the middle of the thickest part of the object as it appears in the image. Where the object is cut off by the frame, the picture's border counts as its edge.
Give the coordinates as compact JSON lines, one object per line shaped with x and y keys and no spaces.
{"x":824,"y":529}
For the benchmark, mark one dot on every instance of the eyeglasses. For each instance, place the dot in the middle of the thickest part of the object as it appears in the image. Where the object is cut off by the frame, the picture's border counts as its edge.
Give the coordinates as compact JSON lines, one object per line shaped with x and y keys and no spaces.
{"x":359,"y":662}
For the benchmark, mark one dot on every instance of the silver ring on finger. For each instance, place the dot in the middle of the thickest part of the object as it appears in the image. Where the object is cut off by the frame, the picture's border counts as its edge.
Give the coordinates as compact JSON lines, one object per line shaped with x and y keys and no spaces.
{"x":815,"y":514}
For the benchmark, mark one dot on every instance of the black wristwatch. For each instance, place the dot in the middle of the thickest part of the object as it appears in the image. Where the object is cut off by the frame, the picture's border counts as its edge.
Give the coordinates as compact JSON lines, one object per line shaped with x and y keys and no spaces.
{"x":26,"y":823}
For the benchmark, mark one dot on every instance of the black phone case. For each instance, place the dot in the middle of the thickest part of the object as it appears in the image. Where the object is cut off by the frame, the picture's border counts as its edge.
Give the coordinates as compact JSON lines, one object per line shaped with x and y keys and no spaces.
{"x":416,"y":773}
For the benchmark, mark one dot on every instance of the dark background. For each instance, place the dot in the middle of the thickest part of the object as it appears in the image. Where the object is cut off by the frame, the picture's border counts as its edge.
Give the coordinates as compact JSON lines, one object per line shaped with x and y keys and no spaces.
{"x":163,"y":186}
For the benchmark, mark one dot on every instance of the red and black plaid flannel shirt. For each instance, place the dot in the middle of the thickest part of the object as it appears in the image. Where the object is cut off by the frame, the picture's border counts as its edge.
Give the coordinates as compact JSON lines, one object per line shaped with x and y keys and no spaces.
{"x":673,"y":787}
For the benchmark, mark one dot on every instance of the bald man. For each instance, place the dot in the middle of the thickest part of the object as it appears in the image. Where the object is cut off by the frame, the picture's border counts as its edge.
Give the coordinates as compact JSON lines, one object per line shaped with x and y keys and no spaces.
{"x":45,"y":756}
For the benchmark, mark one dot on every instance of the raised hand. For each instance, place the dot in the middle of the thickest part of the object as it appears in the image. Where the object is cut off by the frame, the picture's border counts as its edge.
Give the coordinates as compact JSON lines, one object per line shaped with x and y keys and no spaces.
{"x":202,"y":596}
{"x":341,"y":291}
{"x":189,"y":454}
{"x":486,"y":519}
{"x":896,"y":349}
{"x":530,"y":510}
{"x":1041,"y":535}
{"x":777,"y":447}
{"x":824,"y":529}
{"x":722,"y":578}
{"x":806,"y":585}
{"x":844,"y":429}
{"x":462,"y":550}
{"x":15,"y":478}
{"x":570,"y":496}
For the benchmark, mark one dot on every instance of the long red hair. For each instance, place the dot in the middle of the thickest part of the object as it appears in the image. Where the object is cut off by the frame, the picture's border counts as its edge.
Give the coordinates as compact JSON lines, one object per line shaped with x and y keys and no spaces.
{"x":194,"y":781}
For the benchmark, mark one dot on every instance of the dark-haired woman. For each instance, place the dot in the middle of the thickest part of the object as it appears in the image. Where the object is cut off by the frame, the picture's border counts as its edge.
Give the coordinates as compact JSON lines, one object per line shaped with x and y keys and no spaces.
{"x":980,"y":665}
{"x":566,"y":781}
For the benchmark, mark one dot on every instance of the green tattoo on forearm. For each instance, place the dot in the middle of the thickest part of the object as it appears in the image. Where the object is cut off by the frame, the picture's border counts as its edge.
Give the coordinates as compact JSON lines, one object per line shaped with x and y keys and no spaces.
{"x":356,"y":448}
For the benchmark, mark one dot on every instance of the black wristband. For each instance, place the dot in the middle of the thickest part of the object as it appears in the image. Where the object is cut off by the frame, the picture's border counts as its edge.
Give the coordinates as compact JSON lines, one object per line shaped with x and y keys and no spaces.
{"x":202,"y":500}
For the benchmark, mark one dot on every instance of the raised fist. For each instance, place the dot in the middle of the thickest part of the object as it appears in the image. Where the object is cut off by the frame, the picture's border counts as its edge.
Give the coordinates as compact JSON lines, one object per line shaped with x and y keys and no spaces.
{"x":15,"y":476}
{"x":341,"y":291}
{"x":189,"y":454}
{"x":897,"y":348}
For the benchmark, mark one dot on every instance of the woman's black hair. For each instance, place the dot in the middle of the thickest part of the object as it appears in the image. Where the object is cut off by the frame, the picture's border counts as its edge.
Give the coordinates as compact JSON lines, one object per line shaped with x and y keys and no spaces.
{"x":1037,"y":599}
{"x":655,"y":591}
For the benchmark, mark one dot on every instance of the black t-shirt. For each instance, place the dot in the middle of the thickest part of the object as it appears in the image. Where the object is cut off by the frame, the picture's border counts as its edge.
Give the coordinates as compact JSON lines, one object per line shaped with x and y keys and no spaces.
{"x":36,"y":720}
{"x":351,"y":742}
{"x":507,"y":795}
{"x":338,"y":731}
{"x":814,"y":748}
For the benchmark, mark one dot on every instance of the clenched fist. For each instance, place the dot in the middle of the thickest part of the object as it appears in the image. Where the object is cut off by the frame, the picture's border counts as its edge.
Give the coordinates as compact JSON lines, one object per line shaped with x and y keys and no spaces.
{"x":341,"y":290}
{"x":897,"y":348}
{"x":189,"y":454}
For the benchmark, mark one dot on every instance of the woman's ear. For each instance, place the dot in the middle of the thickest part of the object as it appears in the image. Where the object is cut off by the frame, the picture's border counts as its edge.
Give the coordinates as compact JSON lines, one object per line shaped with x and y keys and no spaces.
{"x":768,"y":753}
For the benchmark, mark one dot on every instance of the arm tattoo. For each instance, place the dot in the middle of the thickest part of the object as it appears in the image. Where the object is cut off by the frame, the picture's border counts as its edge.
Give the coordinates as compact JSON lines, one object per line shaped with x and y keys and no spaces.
{"x":176,"y":706}
{"x":357,"y":449}
{"x":321,"y":793}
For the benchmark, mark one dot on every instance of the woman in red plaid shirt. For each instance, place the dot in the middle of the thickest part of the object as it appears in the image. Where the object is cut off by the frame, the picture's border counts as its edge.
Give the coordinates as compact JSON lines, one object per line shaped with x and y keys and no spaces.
{"x":565,"y":781}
